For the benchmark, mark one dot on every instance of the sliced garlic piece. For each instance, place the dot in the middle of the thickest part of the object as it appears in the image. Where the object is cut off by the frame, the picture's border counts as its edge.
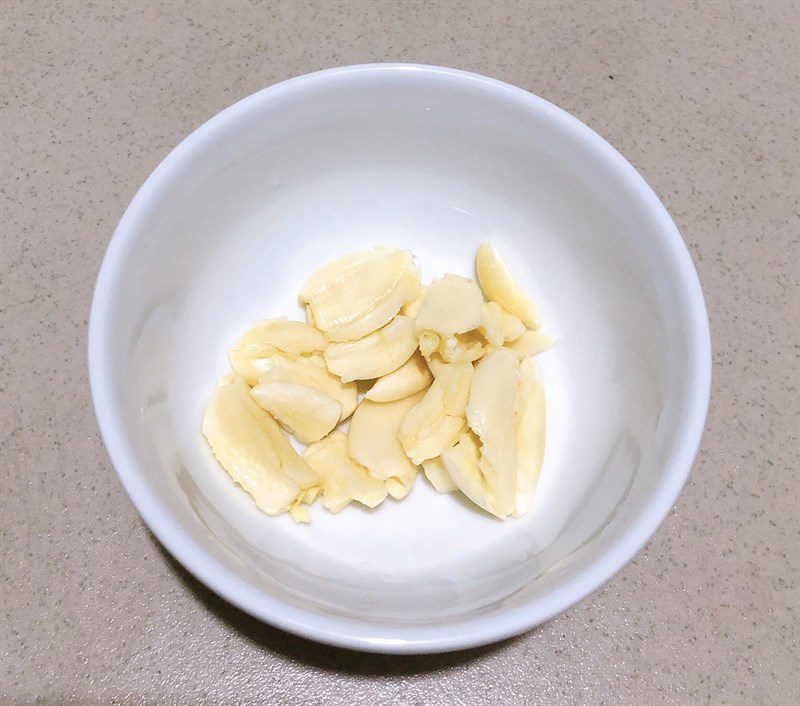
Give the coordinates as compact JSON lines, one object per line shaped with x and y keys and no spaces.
{"x":438,"y":476}
{"x":455,"y":380}
{"x":492,"y":326}
{"x":530,"y":433}
{"x":462,"y":463}
{"x":452,"y":305}
{"x":372,"y":441}
{"x":428,"y":343}
{"x":342,"y":478}
{"x":311,"y":371}
{"x":458,"y":348}
{"x":428,"y":429}
{"x":412,"y":376}
{"x":435,"y":364}
{"x":499,"y":326}
{"x":359,"y":293}
{"x":250,"y":446}
{"x":437,"y":421}
{"x":491,"y":415}
{"x":511,"y":326}
{"x":532,"y":343}
{"x":378,"y":354}
{"x":271,"y":336}
{"x":299,"y":513}
{"x":309,"y":316}
{"x":304,"y":412}
{"x":411,"y":309}
{"x":397,"y":489}
{"x":500,"y":287}
{"x":311,"y":494}
{"x":462,"y":347}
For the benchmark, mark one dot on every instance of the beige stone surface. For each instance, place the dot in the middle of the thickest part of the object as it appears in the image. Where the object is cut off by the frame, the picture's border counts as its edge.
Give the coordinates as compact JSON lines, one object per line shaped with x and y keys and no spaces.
{"x":701,"y":97}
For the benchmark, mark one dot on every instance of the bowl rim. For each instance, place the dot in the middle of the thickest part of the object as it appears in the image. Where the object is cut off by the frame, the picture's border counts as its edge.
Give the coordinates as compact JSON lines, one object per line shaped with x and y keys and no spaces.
{"x":361,"y":635}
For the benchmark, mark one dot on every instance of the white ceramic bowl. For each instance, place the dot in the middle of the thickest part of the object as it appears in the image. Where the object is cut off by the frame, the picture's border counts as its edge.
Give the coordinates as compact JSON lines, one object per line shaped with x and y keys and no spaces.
{"x":435,"y":160}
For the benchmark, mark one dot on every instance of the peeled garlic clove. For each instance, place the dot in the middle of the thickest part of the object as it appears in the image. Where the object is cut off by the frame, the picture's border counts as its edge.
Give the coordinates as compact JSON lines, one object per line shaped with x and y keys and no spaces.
{"x":359,"y":293}
{"x":500,"y":287}
{"x":437,"y":420}
{"x":532,"y":343}
{"x":411,"y":309}
{"x":271,"y":336}
{"x":342,"y":478}
{"x":378,"y":354}
{"x":250,"y":446}
{"x":438,"y":476}
{"x":311,"y":371}
{"x":372,"y":440}
{"x":491,"y":415}
{"x":412,"y":376}
{"x":452,"y":305}
{"x":304,"y":412}
{"x":462,"y":465}
{"x":530,"y":433}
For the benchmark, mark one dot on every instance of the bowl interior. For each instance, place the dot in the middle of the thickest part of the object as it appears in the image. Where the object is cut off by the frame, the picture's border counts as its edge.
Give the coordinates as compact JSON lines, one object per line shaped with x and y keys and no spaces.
{"x":227,"y":230}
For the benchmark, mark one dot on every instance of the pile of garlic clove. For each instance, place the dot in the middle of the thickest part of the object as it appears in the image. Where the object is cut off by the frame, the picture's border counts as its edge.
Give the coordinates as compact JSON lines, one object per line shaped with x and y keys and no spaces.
{"x":453,"y":389}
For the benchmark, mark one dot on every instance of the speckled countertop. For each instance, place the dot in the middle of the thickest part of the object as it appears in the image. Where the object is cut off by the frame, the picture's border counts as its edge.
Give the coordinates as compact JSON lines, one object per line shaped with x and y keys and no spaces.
{"x":702,"y":98}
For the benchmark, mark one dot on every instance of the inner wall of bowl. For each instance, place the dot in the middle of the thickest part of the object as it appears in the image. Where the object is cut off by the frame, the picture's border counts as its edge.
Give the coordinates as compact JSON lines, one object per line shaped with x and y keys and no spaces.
{"x":297,"y":177}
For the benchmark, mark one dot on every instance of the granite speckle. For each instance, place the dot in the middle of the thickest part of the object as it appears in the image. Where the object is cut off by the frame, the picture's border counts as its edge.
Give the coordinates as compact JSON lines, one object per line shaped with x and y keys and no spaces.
{"x":701,"y":97}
